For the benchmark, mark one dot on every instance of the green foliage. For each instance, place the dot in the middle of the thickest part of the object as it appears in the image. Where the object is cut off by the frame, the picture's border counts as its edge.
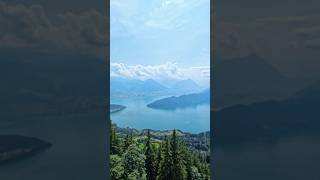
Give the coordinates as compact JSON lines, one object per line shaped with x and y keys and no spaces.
{"x":158,"y":160}
{"x":189,"y":166}
{"x":115,"y":142}
{"x":128,"y":140}
{"x":195,"y":173}
{"x":117,"y":169}
{"x":135,"y":175}
{"x":134,"y":162}
{"x":141,"y":157}
{"x":150,"y":164}
{"x":165,"y":164}
{"x":177,"y":169}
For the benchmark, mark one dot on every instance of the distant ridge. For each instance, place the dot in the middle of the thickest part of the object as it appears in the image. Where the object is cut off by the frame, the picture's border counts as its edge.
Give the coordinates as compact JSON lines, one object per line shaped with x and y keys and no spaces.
{"x":116,"y":108}
{"x":249,"y":79}
{"x":183,"y":101}
{"x":41,"y":82}
{"x":16,"y":147}
{"x":198,"y":141}
{"x":50,"y":73}
{"x":135,"y":86}
{"x":125,"y":86}
{"x":270,"y":120}
{"x":185,"y":86}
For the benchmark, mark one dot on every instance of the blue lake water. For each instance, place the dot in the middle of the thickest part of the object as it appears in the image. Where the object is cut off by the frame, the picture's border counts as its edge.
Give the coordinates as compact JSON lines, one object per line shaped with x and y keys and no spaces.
{"x":138,"y":115}
{"x":77,"y":152}
{"x":291,"y":158}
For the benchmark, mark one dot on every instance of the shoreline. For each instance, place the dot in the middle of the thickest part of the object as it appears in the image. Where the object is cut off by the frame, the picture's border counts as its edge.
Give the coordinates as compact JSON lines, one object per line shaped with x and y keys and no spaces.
{"x":14,"y":148}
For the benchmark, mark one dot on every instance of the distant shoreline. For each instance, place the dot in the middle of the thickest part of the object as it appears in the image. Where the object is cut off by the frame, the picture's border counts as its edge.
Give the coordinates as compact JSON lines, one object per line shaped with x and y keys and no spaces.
{"x":116,"y":108}
{"x":191,"y":139}
{"x":15,"y":148}
{"x":139,"y":131}
{"x":180,"y":102}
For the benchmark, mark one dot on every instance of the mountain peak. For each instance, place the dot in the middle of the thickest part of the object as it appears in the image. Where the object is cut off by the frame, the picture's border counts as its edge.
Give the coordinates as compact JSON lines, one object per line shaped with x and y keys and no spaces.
{"x":187,"y":82}
{"x":186,"y":85}
{"x":250,"y":79}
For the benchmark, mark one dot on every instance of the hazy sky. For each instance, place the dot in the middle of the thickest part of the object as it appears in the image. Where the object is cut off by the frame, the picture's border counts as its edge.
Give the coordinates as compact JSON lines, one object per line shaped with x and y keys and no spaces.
{"x":62,"y":6}
{"x":42,"y":27}
{"x":153,"y":32}
{"x":285,"y":33}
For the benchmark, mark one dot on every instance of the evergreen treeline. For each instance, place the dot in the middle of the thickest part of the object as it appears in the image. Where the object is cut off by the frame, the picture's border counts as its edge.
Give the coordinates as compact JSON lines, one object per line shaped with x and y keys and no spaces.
{"x":145,"y":158}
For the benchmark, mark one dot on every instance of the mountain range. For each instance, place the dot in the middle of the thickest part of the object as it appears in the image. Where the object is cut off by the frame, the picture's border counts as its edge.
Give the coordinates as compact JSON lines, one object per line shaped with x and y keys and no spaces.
{"x":271,"y":120}
{"x":41,"y":82}
{"x":125,"y":86}
{"x":56,"y":97}
{"x":185,"y":86}
{"x":241,"y":80}
{"x":133,"y":86}
{"x":48,"y":73}
{"x":250,"y":79}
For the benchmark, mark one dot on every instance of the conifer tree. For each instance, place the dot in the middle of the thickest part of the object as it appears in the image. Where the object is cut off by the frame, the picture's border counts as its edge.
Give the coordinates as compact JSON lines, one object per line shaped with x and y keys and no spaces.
{"x":189,"y":167}
{"x":115,"y":142}
{"x":165,"y":165}
{"x":158,"y":160}
{"x":149,"y":162}
{"x":177,"y":169}
{"x":133,"y":163}
{"x":112,"y":137}
{"x":128,"y":140}
{"x":196,"y":161}
{"x":116,"y":167}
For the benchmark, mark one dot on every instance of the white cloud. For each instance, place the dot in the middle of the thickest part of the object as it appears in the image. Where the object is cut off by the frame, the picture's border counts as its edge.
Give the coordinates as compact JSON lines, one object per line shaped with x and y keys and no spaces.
{"x":24,"y":26}
{"x":162,"y":71}
{"x":287,"y":42}
{"x":167,"y":71}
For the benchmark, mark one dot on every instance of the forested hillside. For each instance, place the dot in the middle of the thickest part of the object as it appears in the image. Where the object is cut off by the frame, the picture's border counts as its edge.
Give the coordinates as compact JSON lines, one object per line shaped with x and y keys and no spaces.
{"x":159,"y":155}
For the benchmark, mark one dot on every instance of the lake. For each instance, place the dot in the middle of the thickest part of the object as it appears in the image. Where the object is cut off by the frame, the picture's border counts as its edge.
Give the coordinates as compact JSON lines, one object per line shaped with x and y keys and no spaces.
{"x":138,"y":115}
{"x":77,"y":152}
{"x":293,"y":158}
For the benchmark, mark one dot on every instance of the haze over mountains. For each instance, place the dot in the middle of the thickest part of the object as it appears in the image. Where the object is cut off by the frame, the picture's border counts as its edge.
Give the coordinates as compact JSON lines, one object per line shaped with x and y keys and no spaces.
{"x":37,"y":82}
{"x":249,"y":79}
{"x":125,"y":86}
{"x":270,"y":120}
{"x":54,"y":97}
{"x":258,"y":104}
{"x":242,"y":80}
{"x":49,"y":73}
{"x":185,"y":86}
